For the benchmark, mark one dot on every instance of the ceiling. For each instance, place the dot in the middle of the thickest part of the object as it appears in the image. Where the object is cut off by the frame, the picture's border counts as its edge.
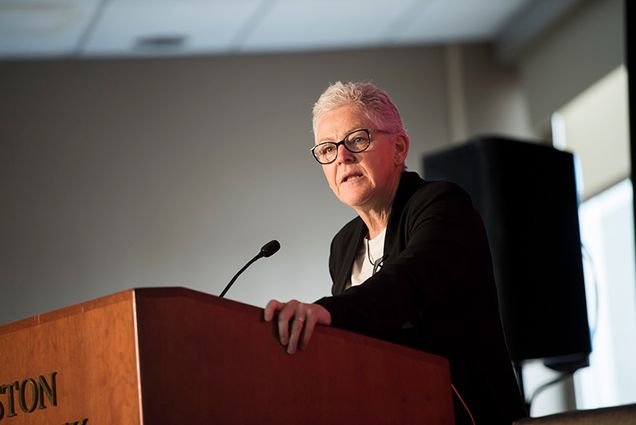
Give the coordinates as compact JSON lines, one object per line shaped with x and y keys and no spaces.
{"x":132,"y":28}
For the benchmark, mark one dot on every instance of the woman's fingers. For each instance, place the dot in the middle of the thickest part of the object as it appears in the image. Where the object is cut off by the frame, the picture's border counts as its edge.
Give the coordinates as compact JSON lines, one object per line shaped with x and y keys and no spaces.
{"x":296,"y":321}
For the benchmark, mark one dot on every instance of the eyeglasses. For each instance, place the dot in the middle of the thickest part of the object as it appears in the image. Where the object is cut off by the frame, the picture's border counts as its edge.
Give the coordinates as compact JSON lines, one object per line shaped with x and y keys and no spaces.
{"x":355,"y":142}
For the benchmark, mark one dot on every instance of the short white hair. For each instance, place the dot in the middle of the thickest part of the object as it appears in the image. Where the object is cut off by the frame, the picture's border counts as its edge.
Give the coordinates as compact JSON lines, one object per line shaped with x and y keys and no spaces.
{"x":371,"y":101}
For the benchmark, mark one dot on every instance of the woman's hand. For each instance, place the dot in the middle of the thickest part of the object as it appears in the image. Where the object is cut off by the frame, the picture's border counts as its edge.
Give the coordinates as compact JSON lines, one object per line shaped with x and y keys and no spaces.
{"x":296,"y":321}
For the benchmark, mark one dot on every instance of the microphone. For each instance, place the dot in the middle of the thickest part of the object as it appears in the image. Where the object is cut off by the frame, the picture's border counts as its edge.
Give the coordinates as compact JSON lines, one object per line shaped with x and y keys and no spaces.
{"x":269,"y":249}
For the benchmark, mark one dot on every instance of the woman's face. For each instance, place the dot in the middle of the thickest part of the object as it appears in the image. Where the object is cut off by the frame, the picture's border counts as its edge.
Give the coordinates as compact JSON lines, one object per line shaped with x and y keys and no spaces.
{"x":366,"y":179}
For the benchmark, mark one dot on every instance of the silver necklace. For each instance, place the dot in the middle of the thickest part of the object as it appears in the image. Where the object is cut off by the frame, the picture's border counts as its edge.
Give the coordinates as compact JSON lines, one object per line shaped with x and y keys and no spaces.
{"x":377,"y":264}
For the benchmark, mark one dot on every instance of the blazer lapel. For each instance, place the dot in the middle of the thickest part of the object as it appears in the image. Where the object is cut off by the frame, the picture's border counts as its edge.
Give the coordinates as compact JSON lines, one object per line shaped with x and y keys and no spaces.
{"x":343,"y":276}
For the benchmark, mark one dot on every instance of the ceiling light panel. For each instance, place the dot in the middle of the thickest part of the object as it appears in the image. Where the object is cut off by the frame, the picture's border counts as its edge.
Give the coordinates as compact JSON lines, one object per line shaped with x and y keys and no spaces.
{"x":43,"y":27}
{"x":127,"y":27}
{"x":457,"y":20}
{"x":317,"y":24}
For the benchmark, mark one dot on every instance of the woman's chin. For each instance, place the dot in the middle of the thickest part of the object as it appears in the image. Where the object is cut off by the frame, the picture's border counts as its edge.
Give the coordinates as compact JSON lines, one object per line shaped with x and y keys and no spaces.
{"x":354,"y":199}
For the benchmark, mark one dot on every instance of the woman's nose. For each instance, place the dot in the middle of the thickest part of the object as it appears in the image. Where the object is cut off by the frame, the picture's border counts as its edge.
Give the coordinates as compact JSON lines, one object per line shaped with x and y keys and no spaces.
{"x":344,"y":155}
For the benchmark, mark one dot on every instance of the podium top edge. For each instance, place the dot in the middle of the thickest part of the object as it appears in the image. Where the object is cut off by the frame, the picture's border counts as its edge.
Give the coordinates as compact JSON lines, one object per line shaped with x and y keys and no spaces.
{"x":137,"y":297}
{"x":123,"y":296}
{"x":128,"y":295}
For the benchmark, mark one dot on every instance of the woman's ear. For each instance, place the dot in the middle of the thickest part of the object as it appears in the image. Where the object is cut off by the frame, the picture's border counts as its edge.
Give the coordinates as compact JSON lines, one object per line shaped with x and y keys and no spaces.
{"x":401,"y":148}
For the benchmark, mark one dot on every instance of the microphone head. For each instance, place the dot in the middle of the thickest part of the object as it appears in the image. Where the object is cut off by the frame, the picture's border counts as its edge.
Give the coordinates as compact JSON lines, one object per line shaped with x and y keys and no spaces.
{"x":270,"y":248}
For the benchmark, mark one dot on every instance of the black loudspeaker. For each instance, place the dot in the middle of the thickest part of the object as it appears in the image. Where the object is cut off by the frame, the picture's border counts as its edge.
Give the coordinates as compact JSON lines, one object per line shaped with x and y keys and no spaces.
{"x":526,"y":195}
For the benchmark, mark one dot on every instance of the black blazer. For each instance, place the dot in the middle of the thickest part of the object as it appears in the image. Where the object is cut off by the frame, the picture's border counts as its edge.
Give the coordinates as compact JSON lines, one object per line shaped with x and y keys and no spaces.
{"x":435,"y":292}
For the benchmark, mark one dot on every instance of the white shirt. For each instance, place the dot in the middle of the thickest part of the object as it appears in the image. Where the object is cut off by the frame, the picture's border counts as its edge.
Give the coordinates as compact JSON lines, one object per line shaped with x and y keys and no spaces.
{"x":362,"y":265}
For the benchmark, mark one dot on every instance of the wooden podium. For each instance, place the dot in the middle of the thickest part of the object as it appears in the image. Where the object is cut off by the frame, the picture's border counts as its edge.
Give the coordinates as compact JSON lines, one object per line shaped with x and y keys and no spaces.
{"x":177,"y":356}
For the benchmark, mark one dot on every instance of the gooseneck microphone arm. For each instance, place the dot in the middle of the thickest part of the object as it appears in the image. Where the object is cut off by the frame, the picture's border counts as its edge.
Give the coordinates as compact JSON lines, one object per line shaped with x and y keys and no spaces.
{"x":229,"y":285}
{"x":269,"y":249}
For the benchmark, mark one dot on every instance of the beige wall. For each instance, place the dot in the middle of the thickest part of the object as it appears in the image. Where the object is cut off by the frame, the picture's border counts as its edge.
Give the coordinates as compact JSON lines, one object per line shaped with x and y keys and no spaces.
{"x":494,"y":100}
{"x":576,"y":52}
{"x":123,"y":173}
{"x":595,"y":125}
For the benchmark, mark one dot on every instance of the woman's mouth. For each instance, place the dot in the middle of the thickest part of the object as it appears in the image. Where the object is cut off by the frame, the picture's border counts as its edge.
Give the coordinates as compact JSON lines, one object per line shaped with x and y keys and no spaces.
{"x":350,"y":177}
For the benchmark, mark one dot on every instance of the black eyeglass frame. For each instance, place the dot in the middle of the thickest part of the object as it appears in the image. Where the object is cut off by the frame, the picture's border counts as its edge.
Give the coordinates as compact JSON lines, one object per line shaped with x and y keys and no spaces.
{"x":343,"y":142}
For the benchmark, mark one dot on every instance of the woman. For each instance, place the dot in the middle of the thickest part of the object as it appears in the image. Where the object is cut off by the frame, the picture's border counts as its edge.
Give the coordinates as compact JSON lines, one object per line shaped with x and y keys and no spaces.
{"x":414,"y":267}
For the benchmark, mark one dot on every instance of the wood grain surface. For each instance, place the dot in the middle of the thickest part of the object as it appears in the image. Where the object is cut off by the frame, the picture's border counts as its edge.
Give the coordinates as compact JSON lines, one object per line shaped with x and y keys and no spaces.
{"x":206,"y":360}
{"x":92,"y":348}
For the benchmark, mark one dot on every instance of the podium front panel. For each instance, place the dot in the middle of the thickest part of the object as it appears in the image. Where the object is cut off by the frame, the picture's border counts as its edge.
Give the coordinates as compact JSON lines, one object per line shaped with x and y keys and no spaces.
{"x":75,"y":365}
